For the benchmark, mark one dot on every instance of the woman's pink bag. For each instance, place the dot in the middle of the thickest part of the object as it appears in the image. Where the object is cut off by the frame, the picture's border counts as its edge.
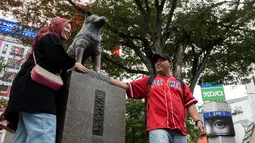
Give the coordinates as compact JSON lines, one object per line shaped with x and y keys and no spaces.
{"x":46,"y":78}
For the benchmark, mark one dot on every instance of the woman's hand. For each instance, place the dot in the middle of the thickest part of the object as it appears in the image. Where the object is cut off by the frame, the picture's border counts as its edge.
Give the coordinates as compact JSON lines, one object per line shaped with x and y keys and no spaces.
{"x":80,"y":67}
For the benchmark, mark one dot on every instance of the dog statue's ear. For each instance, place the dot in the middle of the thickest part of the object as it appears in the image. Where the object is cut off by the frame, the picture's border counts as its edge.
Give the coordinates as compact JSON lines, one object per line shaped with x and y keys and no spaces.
{"x":88,"y":14}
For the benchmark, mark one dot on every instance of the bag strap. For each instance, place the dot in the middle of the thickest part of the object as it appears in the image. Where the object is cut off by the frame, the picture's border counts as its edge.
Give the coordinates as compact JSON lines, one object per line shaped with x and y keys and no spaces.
{"x":34,"y":57}
{"x":149,"y":86}
{"x":147,"y":97}
{"x":183,"y":89}
{"x":35,"y":63}
{"x":182,"y":95}
{"x":148,"y":93}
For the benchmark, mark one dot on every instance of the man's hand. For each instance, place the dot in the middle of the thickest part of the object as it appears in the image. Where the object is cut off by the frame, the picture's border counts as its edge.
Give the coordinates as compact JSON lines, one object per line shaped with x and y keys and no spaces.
{"x":201,"y":128}
{"x":118,"y":83}
{"x":195,"y":116}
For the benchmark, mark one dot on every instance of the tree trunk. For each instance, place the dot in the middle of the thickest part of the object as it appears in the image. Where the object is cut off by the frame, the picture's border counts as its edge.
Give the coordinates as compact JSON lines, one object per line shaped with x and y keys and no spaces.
{"x":158,"y":45}
{"x":200,"y":69}
{"x":178,"y":59}
{"x":152,"y":70}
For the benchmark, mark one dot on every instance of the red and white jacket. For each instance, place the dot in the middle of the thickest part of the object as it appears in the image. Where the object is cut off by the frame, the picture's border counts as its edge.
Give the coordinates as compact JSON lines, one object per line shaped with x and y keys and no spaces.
{"x":166,"y":101}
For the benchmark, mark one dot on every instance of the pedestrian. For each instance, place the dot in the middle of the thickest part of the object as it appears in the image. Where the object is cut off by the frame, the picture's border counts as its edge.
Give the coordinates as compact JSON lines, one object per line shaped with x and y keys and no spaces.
{"x":32,"y":105}
{"x":167,"y":101}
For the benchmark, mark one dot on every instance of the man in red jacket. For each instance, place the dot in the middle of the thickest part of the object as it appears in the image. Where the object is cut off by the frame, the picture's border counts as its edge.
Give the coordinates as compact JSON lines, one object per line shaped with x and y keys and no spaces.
{"x":167,"y":102}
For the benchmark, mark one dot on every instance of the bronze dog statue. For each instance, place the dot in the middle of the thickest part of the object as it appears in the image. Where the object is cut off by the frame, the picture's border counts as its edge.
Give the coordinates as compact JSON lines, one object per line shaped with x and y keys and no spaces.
{"x":87,"y":41}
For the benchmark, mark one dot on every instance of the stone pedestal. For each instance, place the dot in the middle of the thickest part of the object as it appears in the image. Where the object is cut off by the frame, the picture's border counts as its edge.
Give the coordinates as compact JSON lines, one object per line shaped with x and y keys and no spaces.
{"x":91,"y":110}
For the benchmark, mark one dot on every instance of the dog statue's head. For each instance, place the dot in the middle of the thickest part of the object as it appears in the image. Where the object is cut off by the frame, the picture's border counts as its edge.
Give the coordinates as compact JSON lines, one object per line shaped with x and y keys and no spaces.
{"x":94,"y":19}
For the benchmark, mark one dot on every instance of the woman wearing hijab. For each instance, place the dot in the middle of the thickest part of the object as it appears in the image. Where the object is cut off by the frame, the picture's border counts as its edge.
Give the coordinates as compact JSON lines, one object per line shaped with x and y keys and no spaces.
{"x":31,"y":104}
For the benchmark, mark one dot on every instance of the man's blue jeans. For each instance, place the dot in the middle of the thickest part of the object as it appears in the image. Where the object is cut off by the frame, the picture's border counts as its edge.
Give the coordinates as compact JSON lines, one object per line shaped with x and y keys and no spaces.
{"x":36,"y":128}
{"x":166,"y":136}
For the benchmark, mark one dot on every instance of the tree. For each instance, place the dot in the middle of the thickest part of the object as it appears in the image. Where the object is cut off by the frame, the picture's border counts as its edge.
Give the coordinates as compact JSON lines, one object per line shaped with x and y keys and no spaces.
{"x":216,"y":34}
{"x":206,"y":37}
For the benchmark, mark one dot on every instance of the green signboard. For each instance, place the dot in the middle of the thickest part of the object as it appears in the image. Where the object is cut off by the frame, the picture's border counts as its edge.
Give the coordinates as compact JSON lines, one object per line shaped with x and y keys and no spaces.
{"x":213,"y":93}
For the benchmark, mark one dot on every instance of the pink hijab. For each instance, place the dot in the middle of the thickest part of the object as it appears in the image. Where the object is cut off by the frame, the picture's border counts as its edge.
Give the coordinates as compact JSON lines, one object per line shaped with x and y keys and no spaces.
{"x":56,"y":26}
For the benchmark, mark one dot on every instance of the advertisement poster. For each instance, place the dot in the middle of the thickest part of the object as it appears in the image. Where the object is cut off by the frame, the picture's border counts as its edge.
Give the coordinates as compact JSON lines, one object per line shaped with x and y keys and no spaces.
{"x":219,"y":123}
{"x":213,"y":93}
{"x":16,"y":30}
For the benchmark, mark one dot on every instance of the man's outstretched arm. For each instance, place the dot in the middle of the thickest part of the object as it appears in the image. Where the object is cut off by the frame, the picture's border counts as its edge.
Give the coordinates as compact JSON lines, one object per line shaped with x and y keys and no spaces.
{"x":120,"y":84}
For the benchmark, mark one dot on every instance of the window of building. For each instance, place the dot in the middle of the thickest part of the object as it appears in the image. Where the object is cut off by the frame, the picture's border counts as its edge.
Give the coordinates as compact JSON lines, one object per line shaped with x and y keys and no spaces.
{"x":3,"y":87}
{"x":2,"y":59}
{"x":11,"y":63}
{"x":7,"y":77}
{"x":14,"y":63}
{"x":17,"y":51}
{"x":5,"y":47}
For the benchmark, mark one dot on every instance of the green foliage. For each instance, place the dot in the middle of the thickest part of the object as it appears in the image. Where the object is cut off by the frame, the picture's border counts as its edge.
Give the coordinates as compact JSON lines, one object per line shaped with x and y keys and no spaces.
{"x":225,"y":29}
{"x":36,"y":12}
{"x":135,"y":122}
{"x":125,"y":22}
{"x":222,"y":29}
{"x":192,"y":132}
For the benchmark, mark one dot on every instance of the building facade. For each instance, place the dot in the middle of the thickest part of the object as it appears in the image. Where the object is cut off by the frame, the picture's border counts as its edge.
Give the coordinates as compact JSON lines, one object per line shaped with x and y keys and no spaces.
{"x":12,"y":52}
{"x":241,"y":109}
{"x":11,"y":56}
{"x":244,"y":115}
{"x":250,"y":88}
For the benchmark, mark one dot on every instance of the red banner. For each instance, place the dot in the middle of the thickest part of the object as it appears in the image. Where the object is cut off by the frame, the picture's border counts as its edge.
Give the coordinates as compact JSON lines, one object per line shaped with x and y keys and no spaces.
{"x":116,"y":51}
